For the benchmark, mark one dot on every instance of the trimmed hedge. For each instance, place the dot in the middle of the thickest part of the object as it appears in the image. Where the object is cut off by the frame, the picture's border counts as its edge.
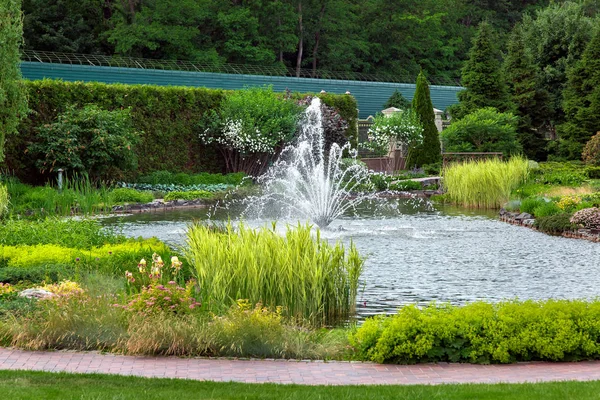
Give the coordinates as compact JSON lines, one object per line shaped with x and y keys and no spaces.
{"x":167,"y":116}
{"x":554,"y":330}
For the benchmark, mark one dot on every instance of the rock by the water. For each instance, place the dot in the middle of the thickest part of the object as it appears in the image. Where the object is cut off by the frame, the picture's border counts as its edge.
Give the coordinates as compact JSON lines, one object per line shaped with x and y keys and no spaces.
{"x":36,"y":293}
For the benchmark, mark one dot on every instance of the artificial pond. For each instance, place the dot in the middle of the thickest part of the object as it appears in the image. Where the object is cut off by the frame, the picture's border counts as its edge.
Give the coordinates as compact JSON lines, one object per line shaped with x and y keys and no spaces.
{"x":417,"y":253}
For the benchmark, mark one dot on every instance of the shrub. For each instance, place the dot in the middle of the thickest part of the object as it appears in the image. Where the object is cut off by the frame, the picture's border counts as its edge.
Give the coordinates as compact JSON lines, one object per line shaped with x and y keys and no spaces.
{"x":126,"y":195}
{"x":307,"y":276}
{"x":547,"y":209}
{"x":167,"y":188}
{"x":530,"y":204}
{"x":553,"y":330}
{"x":588,"y":218}
{"x":249,"y":127}
{"x":485,"y":130}
{"x":193,"y":195}
{"x":36,"y":273}
{"x":554,"y":224}
{"x":398,"y":130}
{"x":158,"y":298}
{"x":80,"y":234}
{"x":569,"y":203}
{"x":65,"y":288}
{"x":90,"y":140}
{"x":591,"y":151}
{"x":486,"y":183}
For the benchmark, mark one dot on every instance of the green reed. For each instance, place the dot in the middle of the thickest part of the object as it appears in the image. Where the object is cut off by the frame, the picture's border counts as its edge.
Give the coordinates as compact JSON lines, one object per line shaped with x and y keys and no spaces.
{"x":484,"y":183}
{"x":309,"y":278}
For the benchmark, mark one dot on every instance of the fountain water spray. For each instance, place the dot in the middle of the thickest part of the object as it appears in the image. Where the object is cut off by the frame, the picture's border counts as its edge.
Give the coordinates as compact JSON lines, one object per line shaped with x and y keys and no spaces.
{"x":310,"y":181}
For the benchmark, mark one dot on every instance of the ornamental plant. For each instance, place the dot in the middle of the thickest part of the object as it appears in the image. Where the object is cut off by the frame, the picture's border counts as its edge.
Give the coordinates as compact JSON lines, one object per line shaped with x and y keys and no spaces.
{"x":250,"y":127}
{"x":3,"y":200}
{"x":154,"y":273}
{"x":591,"y":151}
{"x":588,"y":218}
{"x":5,"y":288}
{"x":398,"y":130}
{"x":158,"y":298}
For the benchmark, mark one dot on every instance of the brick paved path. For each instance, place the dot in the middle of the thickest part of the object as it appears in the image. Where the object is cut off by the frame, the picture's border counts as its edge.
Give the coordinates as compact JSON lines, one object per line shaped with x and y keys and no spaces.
{"x":300,"y":372}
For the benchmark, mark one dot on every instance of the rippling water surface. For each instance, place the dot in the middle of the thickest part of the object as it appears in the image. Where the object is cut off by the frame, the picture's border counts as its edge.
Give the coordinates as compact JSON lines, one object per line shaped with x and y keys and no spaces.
{"x":417,"y":254}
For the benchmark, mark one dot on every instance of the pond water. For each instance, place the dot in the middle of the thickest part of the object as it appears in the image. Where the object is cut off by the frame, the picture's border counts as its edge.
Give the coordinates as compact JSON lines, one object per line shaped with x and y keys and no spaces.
{"x":417,"y":253}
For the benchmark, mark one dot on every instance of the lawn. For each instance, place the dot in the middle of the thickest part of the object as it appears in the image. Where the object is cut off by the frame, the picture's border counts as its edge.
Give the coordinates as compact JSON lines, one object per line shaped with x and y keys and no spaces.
{"x":43,"y":385}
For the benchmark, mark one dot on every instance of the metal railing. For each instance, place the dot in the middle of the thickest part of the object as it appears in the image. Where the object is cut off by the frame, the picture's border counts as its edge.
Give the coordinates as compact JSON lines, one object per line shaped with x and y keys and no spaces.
{"x":194,"y":66}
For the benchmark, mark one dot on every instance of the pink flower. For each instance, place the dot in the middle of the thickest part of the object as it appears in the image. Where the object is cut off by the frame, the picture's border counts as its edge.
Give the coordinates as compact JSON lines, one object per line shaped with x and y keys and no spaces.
{"x":192,"y":306}
{"x":172,"y":282}
{"x":167,"y":298}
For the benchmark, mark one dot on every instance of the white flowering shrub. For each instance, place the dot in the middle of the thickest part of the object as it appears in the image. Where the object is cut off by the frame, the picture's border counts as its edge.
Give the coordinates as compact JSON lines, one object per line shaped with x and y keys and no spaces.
{"x":250,"y":127}
{"x":401,"y":128}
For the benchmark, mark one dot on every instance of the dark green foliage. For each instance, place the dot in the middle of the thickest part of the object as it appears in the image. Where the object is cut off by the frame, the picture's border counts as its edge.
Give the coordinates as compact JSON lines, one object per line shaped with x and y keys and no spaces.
{"x":528,"y":205}
{"x":36,"y":273}
{"x":528,"y":101}
{"x":484,"y":130}
{"x":565,"y":174}
{"x":554,"y":224}
{"x":127,"y":195}
{"x":582,"y":96}
{"x":398,"y":101}
{"x":482,"y":76}
{"x":429,"y":151}
{"x":406,"y":185}
{"x":89,"y":141}
{"x":546,"y":209}
{"x":13,"y":96}
{"x":204,"y":178}
{"x":191,"y":195}
{"x":13,"y":305}
{"x":553,"y":330}
{"x":167,"y":117}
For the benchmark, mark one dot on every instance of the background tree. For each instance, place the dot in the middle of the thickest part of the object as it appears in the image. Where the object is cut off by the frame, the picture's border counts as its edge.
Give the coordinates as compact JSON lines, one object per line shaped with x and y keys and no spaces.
{"x":556,"y":36}
{"x":398,"y":101}
{"x":482,"y":76}
{"x":429,"y":150}
{"x":13,"y":101}
{"x":529,"y":103}
{"x":582,"y":100}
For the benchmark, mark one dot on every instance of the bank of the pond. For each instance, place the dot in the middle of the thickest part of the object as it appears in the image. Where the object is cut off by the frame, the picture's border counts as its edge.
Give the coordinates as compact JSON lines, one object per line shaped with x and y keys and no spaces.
{"x":528,"y":221}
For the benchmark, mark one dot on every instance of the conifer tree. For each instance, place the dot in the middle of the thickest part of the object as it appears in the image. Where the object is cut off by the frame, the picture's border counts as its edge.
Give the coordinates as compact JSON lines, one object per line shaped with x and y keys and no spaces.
{"x":528,"y":102}
{"x":13,"y":103}
{"x":482,"y":76}
{"x":582,"y":100}
{"x":429,"y":150}
{"x":398,"y":101}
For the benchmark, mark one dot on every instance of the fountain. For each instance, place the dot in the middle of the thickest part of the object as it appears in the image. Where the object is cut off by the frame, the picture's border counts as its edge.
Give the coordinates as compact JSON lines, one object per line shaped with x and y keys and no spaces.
{"x":310,"y":181}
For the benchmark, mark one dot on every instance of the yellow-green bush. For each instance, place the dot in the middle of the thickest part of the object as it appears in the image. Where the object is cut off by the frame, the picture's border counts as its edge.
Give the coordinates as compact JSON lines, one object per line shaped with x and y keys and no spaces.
{"x":554,"y":330}
{"x":484,"y":183}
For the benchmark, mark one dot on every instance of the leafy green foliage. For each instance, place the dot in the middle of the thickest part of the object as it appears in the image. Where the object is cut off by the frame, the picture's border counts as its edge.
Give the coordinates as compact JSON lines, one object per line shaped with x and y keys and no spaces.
{"x":158,"y":298}
{"x":191,"y":195}
{"x":13,"y":96}
{"x":311,"y":279}
{"x":554,"y":224}
{"x":398,"y":130}
{"x":127,"y":195}
{"x":88,"y":140}
{"x":529,"y":204}
{"x":249,"y":126}
{"x":429,"y":150}
{"x":546,"y":209}
{"x":484,"y":130}
{"x":482,"y":76}
{"x":168,"y":188}
{"x":406,"y":185}
{"x":182,"y":179}
{"x":553,"y":330}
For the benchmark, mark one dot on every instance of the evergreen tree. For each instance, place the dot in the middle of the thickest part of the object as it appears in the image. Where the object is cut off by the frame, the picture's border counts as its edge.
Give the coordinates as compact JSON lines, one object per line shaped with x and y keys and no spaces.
{"x":482,"y":76}
{"x":13,"y":102}
{"x":429,"y":151}
{"x":398,"y":101}
{"x":582,"y":100}
{"x":527,"y":101}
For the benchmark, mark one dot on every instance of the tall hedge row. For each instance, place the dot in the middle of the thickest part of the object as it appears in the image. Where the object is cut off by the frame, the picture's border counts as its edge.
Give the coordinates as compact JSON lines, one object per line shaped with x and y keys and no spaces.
{"x":167,"y":116}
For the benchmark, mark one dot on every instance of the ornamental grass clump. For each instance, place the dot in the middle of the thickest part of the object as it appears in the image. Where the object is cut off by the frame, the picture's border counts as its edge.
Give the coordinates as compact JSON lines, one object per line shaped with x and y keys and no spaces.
{"x":3,"y":200}
{"x":588,"y":218}
{"x":309,"y":278}
{"x":484,"y":183}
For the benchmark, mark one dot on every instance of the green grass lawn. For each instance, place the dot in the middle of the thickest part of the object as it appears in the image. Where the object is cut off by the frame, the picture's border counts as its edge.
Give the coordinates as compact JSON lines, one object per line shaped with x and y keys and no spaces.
{"x":16,"y":385}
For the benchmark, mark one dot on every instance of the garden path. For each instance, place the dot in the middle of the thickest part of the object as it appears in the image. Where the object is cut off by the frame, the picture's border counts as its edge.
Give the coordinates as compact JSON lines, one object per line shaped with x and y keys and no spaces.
{"x":298,"y":372}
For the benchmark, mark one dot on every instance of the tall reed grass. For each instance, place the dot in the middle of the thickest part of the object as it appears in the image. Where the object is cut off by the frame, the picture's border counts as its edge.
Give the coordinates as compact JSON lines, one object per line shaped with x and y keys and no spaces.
{"x":484,"y":183}
{"x":3,"y":200}
{"x":311,"y":279}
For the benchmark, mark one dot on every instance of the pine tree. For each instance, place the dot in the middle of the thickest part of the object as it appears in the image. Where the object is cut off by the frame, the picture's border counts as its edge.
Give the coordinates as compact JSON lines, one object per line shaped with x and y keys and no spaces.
{"x":482,"y":76}
{"x":13,"y":103}
{"x":527,"y":100}
{"x":429,"y":151}
{"x":582,"y":100}
{"x":398,"y":101}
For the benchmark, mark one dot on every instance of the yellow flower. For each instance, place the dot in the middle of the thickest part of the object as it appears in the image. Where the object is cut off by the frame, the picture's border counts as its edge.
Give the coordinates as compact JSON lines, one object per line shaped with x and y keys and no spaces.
{"x":142,"y":266}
